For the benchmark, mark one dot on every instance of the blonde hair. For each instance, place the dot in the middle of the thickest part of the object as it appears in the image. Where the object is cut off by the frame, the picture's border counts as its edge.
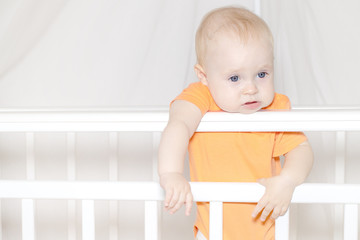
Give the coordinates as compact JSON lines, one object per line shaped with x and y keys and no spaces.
{"x":240,"y":21}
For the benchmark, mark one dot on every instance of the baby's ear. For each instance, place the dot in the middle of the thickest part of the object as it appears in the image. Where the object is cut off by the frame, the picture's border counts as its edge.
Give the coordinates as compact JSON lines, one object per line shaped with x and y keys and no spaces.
{"x":200,"y":73}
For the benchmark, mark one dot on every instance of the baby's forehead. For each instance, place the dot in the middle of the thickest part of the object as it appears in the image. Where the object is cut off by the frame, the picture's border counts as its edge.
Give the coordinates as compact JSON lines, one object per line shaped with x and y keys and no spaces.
{"x":225,"y":39}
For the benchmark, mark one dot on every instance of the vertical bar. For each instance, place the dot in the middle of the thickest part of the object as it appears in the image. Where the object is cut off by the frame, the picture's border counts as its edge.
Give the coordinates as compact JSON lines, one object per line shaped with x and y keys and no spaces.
{"x":1,"y":225}
{"x":155,"y":143}
{"x":71,"y":176}
{"x":1,"y":220}
{"x":113,"y":161}
{"x":216,"y":221}
{"x":340,"y":146}
{"x":340,"y":157}
{"x":113,"y":176}
{"x":88,"y":220}
{"x":71,"y":159}
{"x":151,"y":220}
{"x":30,"y":156}
{"x":27,"y":205}
{"x":257,"y":7}
{"x":282,"y":227}
{"x":28,"y":220}
{"x":351,"y":222}
{"x":293,"y":221}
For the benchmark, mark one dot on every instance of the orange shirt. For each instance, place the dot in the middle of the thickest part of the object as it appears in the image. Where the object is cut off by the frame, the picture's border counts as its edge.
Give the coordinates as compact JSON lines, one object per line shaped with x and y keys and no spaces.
{"x":235,"y":157}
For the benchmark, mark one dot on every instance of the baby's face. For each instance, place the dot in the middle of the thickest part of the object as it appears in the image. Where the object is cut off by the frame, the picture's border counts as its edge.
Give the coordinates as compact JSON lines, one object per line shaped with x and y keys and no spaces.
{"x":239,"y":76}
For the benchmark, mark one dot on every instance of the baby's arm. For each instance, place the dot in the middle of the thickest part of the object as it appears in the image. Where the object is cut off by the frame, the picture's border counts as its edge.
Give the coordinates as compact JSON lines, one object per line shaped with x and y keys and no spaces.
{"x":183,"y":121}
{"x":279,"y":189}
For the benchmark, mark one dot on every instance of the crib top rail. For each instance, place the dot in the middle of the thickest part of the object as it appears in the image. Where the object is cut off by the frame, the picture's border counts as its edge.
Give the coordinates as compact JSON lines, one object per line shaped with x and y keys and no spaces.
{"x":155,"y":120}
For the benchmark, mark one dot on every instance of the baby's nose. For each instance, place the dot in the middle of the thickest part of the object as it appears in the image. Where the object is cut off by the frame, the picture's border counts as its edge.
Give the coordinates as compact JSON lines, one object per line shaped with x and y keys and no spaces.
{"x":249,"y":88}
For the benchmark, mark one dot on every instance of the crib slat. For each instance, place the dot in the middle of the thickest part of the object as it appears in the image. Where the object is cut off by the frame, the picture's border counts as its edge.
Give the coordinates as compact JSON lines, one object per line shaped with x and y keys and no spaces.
{"x":1,"y":225}
{"x":30,"y":156}
{"x":71,"y":176}
{"x":88,"y":220}
{"x":113,"y":176}
{"x":71,"y":208}
{"x":351,"y":222}
{"x":151,"y":220}
{"x":71,"y":157}
{"x":216,"y":221}
{"x":28,"y":219}
{"x":340,"y":155}
{"x":156,"y":136}
{"x":282,"y":227}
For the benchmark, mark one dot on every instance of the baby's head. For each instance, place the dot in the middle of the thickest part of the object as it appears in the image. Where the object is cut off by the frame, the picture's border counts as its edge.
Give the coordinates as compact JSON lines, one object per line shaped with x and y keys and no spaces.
{"x":234,"y":49}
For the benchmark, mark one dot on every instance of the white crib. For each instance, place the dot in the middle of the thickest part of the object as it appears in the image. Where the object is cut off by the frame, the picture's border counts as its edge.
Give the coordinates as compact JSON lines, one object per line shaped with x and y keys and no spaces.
{"x":144,"y":120}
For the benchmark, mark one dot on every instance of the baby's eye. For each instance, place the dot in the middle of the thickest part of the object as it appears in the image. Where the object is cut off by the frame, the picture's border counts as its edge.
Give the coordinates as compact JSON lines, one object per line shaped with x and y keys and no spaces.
{"x":262,"y":74}
{"x":234,"y":78}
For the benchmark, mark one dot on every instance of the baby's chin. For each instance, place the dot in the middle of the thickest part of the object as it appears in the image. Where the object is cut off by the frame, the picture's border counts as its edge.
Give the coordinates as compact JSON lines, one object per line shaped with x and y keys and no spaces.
{"x":242,"y":110}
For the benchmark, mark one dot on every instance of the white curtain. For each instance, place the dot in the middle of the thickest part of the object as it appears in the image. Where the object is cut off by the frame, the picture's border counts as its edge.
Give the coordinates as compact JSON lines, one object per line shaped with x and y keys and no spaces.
{"x":98,"y":53}
{"x":317,"y":50}
{"x":22,"y":26}
{"x":113,"y":53}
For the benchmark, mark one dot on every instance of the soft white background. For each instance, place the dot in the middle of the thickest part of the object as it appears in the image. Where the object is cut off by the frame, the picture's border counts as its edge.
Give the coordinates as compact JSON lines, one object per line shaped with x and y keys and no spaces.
{"x":116,"y":53}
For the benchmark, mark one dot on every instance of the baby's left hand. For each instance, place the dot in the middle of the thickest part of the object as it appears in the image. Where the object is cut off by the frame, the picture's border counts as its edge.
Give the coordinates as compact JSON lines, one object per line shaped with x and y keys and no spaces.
{"x":277,"y":197}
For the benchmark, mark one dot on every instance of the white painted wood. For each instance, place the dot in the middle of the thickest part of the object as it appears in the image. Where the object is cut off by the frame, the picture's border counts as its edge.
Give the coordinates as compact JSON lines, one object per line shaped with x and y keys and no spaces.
{"x":71,"y":156}
{"x":113,"y":161}
{"x":28,"y":219}
{"x":154,"y":121}
{"x":113,"y":219}
{"x":151,"y":220}
{"x":113,"y":176}
{"x":351,"y":221}
{"x":88,"y":220}
{"x":156,"y":136}
{"x":71,"y":176}
{"x":71,"y":218}
{"x":1,"y":225}
{"x":340,"y":151}
{"x":202,"y":191}
{"x":30,"y":156}
{"x":156,"y":142}
{"x":294,"y":120}
{"x":152,"y":192}
{"x":28,"y":216}
{"x":216,"y":221}
{"x":282,"y":227}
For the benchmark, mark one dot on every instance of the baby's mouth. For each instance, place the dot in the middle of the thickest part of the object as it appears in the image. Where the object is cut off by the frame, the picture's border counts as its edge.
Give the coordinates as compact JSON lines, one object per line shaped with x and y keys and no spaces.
{"x":252,"y":105}
{"x":249,"y":103}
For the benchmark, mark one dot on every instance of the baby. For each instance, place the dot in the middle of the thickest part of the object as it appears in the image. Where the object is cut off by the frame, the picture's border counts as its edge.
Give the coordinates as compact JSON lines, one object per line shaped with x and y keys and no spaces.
{"x":235,"y":69}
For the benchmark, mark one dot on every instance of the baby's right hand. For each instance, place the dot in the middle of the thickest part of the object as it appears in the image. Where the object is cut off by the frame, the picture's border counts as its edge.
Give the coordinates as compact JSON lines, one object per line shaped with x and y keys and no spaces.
{"x":177,"y":192}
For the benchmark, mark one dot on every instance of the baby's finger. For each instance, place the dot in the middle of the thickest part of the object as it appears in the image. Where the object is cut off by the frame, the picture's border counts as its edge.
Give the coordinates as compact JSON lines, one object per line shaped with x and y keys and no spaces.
{"x":188,"y":204}
{"x":283,"y":211}
{"x":168,"y":197}
{"x":259,"y":207}
{"x":276,"y":213}
{"x":265,"y":213}
{"x":178,"y":204}
{"x":174,"y":199}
